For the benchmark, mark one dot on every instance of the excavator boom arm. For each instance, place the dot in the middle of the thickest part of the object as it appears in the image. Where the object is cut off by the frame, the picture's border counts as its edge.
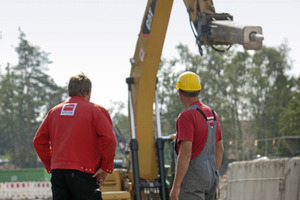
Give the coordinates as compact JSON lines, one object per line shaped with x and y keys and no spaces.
{"x":210,"y":28}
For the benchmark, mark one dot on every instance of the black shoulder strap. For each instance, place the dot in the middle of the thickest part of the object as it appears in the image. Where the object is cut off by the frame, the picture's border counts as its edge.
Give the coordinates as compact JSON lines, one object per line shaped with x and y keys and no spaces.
{"x":213,"y":112}
{"x":195,"y":107}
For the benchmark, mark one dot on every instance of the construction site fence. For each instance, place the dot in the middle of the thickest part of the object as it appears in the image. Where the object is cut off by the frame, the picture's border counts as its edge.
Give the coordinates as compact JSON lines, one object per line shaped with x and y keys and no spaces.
{"x":25,"y":190}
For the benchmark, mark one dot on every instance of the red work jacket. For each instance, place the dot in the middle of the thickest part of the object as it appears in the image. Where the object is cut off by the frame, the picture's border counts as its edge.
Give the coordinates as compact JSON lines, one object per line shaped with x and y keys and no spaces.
{"x":76,"y":134}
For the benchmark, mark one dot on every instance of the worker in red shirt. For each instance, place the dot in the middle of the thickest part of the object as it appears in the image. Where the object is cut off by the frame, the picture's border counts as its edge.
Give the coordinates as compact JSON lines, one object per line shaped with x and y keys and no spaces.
{"x":198,"y":144}
{"x":77,"y":144}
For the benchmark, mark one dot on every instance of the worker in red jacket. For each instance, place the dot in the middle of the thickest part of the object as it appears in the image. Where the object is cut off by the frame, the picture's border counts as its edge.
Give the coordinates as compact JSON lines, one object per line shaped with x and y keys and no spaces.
{"x":77,"y":144}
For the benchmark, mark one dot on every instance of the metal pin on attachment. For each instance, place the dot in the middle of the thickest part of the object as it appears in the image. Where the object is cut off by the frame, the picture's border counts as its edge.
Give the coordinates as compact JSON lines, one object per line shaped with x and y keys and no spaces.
{"x":256,"y":37}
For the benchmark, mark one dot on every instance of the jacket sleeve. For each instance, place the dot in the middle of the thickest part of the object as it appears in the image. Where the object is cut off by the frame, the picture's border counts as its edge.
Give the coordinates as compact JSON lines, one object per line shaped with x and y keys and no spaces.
{"x":41,"y":142}
{"x":107,"y":139}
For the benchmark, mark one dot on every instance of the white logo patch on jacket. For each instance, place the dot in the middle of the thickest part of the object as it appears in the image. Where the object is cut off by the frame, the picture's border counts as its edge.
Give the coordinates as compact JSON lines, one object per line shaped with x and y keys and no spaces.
{"x":68,"y":109}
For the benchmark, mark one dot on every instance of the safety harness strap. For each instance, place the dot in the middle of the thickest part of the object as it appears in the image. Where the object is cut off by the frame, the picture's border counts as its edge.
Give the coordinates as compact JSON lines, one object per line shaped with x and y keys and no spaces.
{"x":195,"y":107}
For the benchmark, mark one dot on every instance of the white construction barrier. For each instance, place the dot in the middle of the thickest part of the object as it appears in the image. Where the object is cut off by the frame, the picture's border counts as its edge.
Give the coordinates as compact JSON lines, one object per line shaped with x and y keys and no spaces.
{"x":25,"y":190}
{"x":274,"y":179}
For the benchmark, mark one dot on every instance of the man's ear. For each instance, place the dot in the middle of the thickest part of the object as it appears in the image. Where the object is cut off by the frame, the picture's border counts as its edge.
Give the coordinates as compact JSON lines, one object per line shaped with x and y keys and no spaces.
{"x":180,"y":93}
{"x":89,"y":94}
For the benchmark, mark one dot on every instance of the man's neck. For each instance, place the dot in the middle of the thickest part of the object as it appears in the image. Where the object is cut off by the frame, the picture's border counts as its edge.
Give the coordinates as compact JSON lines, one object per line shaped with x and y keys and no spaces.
{"x":87,"y":97}
{"x":189,"y":101}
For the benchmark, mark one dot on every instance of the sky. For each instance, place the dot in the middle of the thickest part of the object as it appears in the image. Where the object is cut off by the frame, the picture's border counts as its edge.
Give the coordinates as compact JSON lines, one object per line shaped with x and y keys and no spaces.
{"x":98,"y":37}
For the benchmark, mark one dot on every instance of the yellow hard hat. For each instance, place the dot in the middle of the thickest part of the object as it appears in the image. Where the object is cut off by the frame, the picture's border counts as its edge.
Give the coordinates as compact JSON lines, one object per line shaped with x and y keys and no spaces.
{"x":188,"y":81}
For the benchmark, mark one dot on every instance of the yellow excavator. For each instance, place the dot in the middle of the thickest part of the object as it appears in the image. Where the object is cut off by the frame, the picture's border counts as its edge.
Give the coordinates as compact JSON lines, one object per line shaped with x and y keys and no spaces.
{"x":145,"y":176}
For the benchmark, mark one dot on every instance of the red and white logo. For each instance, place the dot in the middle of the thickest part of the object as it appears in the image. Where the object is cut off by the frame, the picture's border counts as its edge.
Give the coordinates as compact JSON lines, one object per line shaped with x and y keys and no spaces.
{"x":211,"y":121}
{"x":68,"y":109}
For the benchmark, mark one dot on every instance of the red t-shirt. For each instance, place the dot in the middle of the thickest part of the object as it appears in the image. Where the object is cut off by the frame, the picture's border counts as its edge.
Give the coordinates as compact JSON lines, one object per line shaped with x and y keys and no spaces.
{"x":76,"y":134}
{"x":191,"y":126}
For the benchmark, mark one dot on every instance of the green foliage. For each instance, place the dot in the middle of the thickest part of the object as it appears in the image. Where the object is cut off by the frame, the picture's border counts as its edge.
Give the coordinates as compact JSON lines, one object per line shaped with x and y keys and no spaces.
{"x":119,"y":118}
{"x":169,"y":102}
{"x":289,"y":122}
{"x":7,"y":111}
{"x":26,"y":94}
{"x":120,"y":123}
{"x":270,"y":94}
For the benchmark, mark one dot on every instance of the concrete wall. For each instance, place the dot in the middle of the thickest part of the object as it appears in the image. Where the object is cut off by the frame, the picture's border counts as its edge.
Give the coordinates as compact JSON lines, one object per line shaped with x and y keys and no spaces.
{"x":265,"y":179}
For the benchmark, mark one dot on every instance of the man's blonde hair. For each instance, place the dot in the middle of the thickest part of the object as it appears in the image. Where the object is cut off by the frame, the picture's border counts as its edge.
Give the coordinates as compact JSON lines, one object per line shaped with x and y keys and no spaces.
{"x":79,"y":85}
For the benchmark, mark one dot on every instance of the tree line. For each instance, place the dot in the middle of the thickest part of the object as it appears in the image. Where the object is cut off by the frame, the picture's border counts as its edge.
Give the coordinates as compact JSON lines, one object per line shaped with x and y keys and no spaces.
{"x":257,"y":100}
{"x":26,"y":95}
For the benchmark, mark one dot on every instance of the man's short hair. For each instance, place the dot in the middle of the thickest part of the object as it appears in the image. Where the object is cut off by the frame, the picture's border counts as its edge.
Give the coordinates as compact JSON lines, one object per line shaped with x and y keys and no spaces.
{"x":189,"y":93}
{"x":79,"y":85}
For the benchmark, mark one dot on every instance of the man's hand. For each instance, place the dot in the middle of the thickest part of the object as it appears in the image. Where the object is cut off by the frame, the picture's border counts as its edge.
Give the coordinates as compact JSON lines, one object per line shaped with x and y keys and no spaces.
{"x":100,"y":176}
{"x":174,"y":193}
